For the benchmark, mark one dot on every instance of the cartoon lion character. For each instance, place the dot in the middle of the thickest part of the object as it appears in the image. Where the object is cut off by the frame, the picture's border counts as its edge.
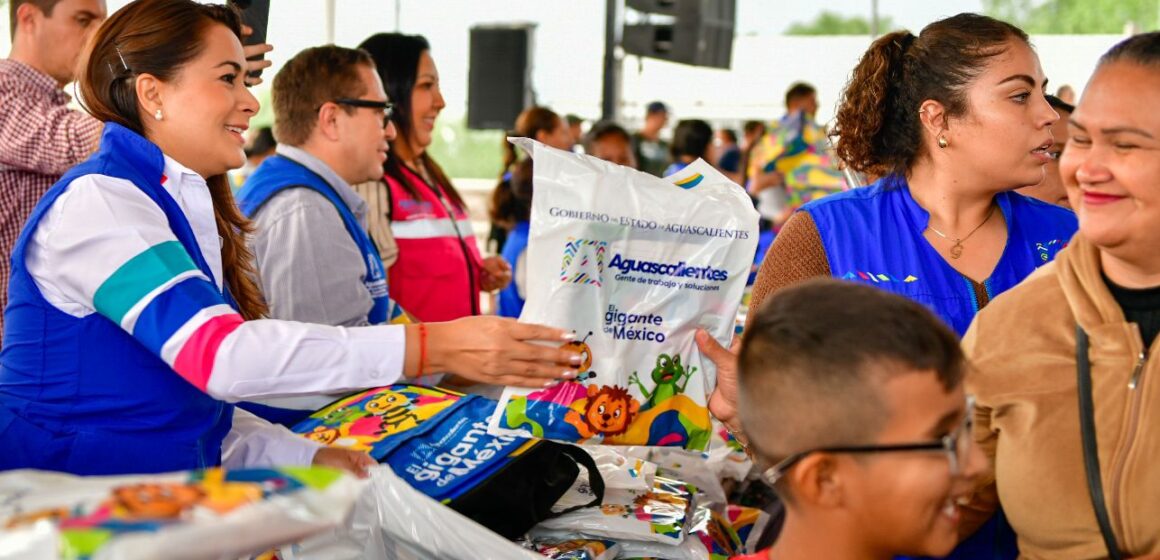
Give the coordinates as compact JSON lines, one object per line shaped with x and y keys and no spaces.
{"x":163,"y":500}
{"x":618,"y":510}
{"x":607,"y":410}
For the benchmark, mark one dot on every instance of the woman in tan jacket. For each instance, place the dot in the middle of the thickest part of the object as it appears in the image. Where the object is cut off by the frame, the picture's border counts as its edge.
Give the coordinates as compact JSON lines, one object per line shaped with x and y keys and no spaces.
{"x":1028,"y":346}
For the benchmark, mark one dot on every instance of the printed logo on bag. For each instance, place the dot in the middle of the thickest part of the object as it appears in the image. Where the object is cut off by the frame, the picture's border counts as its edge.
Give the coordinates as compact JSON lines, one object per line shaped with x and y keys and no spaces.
{"x":677,"y":270}
{"x":468,"y":450}
{"x":690,"y":181}
{"x":583,"y":262}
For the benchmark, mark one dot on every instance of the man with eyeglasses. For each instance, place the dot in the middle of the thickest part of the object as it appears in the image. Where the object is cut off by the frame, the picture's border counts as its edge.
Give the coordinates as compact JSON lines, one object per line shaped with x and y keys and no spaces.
{"x":852,"y":400}
{"x":316,"y":263}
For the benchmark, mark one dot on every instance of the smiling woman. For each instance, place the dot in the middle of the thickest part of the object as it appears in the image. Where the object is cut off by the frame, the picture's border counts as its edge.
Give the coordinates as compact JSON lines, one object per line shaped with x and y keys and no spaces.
{"x":439,"y":272}
{"x":1100,"y":301}
{"x":133,"y":321}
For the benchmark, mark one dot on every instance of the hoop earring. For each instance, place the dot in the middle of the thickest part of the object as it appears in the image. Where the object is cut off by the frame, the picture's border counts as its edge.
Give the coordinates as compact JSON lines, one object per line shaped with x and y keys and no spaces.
{"x":157,"y":115}
{"x":942,"y":141}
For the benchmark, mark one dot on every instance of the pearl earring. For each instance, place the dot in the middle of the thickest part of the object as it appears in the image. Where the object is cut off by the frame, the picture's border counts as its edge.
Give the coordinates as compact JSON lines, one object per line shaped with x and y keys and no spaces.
{"x":942,"y":142}
{"x":157,"y":115}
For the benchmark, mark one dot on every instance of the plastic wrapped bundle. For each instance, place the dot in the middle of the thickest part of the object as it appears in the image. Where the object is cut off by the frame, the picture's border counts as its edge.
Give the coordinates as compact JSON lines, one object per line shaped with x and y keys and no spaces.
{"x":197,"y":514}
{"x":578,"y":549}
{"x":749,"y":523}
{"x":660,"y":515}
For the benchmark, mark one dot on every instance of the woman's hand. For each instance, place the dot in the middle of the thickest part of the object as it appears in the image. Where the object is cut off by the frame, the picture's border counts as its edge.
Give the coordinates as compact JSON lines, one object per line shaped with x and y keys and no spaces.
{"x":494,"y":350}
{"x":251,"y":51}
{"x":497,"y":274}
{"x":354,"y":462}
{"x":723,"y":401}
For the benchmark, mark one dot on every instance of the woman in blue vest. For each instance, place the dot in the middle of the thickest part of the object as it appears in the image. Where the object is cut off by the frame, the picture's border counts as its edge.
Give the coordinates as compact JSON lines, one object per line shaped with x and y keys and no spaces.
{"x":511,"y":201}
{"x":133,"y":321}
{"x":951,"y":122}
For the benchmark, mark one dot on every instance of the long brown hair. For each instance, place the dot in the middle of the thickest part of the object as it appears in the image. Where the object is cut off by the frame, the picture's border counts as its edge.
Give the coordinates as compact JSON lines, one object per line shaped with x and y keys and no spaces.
{"x":877,"y":124}
{"x":159,"y":37}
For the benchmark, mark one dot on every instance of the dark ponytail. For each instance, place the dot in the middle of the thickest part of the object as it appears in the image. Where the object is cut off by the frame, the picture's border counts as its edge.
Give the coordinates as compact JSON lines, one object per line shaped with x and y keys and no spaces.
{"x":877,"y":126}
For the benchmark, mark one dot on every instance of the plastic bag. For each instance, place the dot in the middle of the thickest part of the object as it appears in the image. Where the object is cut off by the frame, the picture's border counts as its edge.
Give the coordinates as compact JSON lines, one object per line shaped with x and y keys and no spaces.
{"x":711,"y":537}
{"x":691,"y":467}
{"x":643,"y":262}
{"x":197,"y":514}
{"x":749,"y":523}
{"x":578,"y":549}
{"x":437,"y":440}
{"x":659,"y":515}
{"x":621,"y":471}
{"x":727,"y":458}
{"x":394,"y":521}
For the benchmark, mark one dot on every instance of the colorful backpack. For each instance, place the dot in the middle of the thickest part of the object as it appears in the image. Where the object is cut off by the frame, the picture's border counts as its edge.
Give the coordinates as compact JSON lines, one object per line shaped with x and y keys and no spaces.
{"x":437,"y":441}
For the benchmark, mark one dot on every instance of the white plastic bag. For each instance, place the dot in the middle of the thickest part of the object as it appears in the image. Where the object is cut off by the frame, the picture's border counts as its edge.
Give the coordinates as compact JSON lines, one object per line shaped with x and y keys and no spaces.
{"x":198,"y":514}
{"x":393,"y":521}
{"x":621,"y":472}
{"x":660,"y":515}
{"x":727,"y":457}
{"x":578,"y":549}
{"x":634,"y":265}
{"x":710,"y":538}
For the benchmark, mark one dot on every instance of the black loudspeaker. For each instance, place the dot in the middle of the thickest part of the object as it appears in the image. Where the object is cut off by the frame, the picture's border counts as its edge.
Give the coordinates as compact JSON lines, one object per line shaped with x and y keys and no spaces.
{"x":701,"y":32}
{"x":499,"y":76}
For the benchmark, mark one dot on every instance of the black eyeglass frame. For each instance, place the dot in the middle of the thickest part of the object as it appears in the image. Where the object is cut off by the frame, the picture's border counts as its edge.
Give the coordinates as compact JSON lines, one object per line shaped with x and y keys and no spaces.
{"x":948,"y":444}
{"x":387,"y":107}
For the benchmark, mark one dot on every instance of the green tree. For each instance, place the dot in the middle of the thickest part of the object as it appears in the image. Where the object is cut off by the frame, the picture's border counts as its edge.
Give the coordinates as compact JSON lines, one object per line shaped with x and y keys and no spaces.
{"x":463,"y":152}
{"x":1076,"y":16}
{"x":832,"y":23}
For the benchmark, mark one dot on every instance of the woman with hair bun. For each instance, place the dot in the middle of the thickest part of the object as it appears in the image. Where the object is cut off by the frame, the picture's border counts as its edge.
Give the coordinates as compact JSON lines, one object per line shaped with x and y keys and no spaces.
{"x":950,"y":122}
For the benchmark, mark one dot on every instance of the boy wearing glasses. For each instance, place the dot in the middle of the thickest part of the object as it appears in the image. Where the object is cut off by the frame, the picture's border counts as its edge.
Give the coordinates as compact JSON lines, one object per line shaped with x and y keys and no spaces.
{"x":852,"y":399}
{"x":316,"y":263}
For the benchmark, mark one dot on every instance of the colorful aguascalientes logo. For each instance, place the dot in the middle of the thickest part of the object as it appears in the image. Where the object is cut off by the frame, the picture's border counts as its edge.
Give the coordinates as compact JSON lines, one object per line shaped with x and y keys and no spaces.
{"x":583,"y":262}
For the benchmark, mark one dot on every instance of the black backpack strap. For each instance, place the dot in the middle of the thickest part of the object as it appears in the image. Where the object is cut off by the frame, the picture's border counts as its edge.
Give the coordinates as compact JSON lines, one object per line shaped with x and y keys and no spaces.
{"x":1091,"y":458}
{"x":595,"y":480}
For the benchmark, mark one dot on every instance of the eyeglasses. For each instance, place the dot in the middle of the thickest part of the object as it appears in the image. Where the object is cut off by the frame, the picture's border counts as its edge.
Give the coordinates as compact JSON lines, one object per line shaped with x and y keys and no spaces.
{"x":386,"y":107}
{"x":956,"y":445}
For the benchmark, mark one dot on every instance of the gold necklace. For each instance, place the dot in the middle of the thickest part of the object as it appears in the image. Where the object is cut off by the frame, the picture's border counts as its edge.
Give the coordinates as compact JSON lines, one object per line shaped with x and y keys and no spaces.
{"x":957,"y":248}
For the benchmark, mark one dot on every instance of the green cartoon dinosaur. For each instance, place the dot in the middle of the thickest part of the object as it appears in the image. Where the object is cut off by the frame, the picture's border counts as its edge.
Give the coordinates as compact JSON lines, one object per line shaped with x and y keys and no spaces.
{"x":667,"y":374}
